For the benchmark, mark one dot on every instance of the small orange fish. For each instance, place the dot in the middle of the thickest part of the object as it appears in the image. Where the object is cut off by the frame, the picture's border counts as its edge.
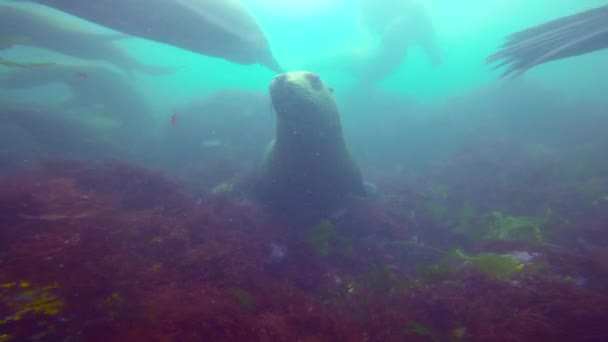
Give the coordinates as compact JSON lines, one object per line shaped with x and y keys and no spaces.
{"x":173,"y":120}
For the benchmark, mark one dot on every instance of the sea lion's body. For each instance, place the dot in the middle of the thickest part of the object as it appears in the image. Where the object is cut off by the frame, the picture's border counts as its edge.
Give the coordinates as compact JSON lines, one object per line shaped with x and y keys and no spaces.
{"x":395,"y":26}
{"x":400,"y":24}
{"x":93,"y":89}
{"x":307,"y":167}
{"x":30,"y":24}
{"x":217,"y":28}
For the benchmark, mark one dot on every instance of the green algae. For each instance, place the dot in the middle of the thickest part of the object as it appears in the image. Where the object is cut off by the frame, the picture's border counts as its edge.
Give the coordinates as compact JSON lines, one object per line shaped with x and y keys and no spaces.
{"x":495,"y":265}
{"x":415,"y":329}
{"x":507,"y":227}
{"x":244,"y":298}
{"x":318,"y":237}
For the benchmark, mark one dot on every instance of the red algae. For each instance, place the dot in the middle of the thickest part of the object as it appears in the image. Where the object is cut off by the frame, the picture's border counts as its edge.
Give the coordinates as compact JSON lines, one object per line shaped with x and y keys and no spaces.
{"x":113,"y":252}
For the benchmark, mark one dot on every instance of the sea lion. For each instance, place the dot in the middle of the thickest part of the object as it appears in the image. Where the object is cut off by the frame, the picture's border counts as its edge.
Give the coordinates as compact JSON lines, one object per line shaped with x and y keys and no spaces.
{"x":94,"y":89}
{"x":29,"y":24}
{"x":560,"y":38}
{"x":39,"y":132}
{"x":307,"y":168}
{"x":395,"y":26}
{"x":217,"y":28}
{"x":409,"y":19}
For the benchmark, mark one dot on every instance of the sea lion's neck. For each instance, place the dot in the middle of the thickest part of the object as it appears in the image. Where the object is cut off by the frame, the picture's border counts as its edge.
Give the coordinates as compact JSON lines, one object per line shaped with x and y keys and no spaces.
{"x":316,"y":129}
{"x":307,"y":143}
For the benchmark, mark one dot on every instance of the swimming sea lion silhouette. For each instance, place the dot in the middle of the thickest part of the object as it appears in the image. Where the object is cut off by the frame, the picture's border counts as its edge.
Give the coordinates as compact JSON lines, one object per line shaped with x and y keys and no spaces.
{"x":396,"y":26}
{"x":217,"y":28}
{"x":31,"y":24}
{"x":93,"y":89}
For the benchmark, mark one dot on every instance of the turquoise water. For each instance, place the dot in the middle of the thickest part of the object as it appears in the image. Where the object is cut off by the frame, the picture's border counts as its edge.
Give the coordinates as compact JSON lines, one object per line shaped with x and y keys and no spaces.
{"x":468,"y":31}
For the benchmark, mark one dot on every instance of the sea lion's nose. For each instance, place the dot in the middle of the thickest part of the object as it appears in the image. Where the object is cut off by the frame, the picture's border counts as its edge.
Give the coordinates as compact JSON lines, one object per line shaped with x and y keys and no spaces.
{"x":280,"y":78}
{"x":278,"y":81}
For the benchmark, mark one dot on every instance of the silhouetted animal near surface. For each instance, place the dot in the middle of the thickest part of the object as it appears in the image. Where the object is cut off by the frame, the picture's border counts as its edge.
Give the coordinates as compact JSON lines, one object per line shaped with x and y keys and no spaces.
{"x":30,"y":24}
{"x":564,"y":37}
{"x":403,"y":23}
{"x":396,"y":26}
{"x":217,"y":28}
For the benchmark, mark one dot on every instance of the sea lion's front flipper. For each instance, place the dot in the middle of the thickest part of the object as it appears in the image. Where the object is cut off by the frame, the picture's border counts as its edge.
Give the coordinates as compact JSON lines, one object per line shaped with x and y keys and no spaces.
{"x":557,"y":39}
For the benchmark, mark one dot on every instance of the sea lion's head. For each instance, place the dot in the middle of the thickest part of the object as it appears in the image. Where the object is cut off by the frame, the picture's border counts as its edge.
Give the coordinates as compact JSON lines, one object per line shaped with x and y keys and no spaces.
{"x":301,"y":99}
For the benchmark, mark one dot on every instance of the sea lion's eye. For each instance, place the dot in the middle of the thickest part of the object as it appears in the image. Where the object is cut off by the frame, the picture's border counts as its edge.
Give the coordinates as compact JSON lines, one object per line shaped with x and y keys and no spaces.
{"x":331,"y":90}
{"x":315,"y":81}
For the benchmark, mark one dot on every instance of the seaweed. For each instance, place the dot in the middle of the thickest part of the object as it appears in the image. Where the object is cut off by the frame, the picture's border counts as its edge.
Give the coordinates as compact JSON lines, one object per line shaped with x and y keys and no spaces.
{"x":107,"y":251}
{"x":319,"y":237}
{"x":417,"y":329}
{"x":494,"y":265}
{"x":515,"y":227}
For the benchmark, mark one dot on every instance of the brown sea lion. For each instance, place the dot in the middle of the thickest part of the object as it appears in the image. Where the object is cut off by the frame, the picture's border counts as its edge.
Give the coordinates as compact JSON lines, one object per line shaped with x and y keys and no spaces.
{"x":307,"y":168}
